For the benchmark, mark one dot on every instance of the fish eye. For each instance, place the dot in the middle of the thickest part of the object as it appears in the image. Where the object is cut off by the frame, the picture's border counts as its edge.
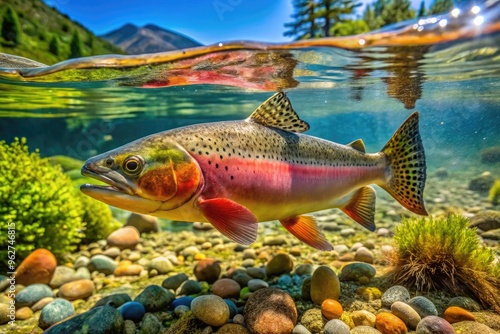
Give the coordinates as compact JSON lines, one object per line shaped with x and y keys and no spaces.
{"x":132,"y":165}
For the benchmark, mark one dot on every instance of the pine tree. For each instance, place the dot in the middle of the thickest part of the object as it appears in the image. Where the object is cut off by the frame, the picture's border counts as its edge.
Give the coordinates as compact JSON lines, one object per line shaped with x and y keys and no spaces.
{"x":11,"y":28}
{"x":421,"y":11}
{"x":335,"y":11}
{"x":441,"y":6}
{"x":397,"y":11}
{"x":76,"y":46}
{"x":54,"y":45}
{"x":305,"y":25}
{"x":370,"y":18}
{"x":348,"y":28}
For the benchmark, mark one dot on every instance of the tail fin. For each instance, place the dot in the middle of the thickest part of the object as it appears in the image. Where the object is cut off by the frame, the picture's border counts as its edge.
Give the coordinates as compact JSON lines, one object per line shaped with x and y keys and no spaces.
{"x":406,"y":160}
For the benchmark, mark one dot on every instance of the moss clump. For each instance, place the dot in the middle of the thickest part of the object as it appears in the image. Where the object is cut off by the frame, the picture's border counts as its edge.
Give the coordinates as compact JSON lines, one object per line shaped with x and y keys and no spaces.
{"x":495,"y":193}
{"x":444,"y":254}
{"x":39,"y":200}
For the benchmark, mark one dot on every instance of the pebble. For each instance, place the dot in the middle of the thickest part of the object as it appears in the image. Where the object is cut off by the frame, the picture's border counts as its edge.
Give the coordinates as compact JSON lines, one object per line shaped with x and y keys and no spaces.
{"x":242,"y":278}
{"x":24,"y":313}
{"x":300,"y":329}
{"x":226,"y":288}
{"x":406,"y":313}
{"x":4,"y":282}
{"x":181,"y":310}
{"x":129,"y":327}
{"x":210,"y":309}
{"x":304,"y":269}
{"x":115,"y":300}
{"x":388,"y":323}
{"x":39,"y":305}
{"x":74,"y":290}
{"x":132,"y":311}
{"x":81,"y":261}
{"x":249,"y":253}
{"x":336,"y":326}
{"x":270,"y":310}
{"x":275,"y":241}
{"x":37,"y":267}
{"x":112,"y":252}
{"x":396,"y":293}
{"x":472,"y":327}
{"x":256,"y":272}
{"x":465,"y":303}
{"x":306,"y":289}
{"x":207,"y":270}
{"x":356,"y":271}
{"x":126,"y":237}
{"x":189,"y":287}
{"x":248,"y":263}
{"x":143,"y":223}
{"x":162,"y":265}
{"x":341,"y":249}
{"x":62,"y":275}
{"x":312,"y":319}
{"x":150,"y":324}
{"x":104,"y":319}
{"x":347,"y":232}
{"x":155,"y":298}
{"x":279,"y":264}
{"x":174,"y":282}
{"x":232,"y":329}
{"x":324,"y":285}
{"x":363,"y":318}
{"x":190,"y":251}
{"x":186,"y":301}
{"x":5,"y":314}
{"x":434,"y":325}
{"x":456,"y":314}
{"x":331,"y":309}
{"x":103,"y":264}
{"x":423,"y":306}
{"x":32,"y":294}
{"x":364,"y":330}
{"x":256,"y":284}
{"x":54,"y":312}
{"x":239,"y":319}
{"x":363,"y":254}
{"x":127,"y":268}
{"x":383,"y":232}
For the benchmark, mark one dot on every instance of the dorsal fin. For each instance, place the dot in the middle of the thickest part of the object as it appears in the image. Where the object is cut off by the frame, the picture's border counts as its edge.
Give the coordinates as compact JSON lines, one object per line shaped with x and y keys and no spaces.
{"x":358,"y":145}
{"x":277,"y":112}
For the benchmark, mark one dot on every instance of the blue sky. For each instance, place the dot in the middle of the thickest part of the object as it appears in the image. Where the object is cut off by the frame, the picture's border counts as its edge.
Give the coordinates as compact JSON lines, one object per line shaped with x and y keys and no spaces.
{"x":208,"y":21}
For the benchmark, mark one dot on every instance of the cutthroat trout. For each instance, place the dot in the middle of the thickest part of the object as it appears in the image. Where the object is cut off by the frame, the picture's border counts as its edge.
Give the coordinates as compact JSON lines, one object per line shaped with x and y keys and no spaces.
{"x":235,"y":174}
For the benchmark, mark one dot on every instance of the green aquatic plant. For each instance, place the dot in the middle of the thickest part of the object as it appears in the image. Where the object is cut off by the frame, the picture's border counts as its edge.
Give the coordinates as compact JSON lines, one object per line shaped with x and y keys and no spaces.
{"x":444,"y":254}
{"x":66,"y":163}
{"x":495,"y":193}
{"x":38,"y":200}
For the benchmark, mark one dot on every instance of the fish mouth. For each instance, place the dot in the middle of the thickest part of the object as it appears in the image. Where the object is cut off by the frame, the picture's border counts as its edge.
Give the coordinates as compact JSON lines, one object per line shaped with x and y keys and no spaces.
{"x":116,"y":182}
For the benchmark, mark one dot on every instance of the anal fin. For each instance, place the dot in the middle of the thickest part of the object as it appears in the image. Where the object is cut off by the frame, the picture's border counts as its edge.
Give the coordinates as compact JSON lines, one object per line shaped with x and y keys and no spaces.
{"x":361,"y":207}
{"x":231,"y":219}
{"x":305,"y":229}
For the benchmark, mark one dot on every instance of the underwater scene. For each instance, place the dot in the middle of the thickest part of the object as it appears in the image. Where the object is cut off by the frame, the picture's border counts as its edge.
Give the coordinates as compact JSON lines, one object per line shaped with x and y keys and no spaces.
{"x":331,"y":185}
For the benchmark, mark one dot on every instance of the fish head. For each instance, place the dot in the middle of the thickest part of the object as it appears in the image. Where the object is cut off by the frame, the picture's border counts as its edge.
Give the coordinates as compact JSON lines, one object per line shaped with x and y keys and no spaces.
{"x":145,"y":176}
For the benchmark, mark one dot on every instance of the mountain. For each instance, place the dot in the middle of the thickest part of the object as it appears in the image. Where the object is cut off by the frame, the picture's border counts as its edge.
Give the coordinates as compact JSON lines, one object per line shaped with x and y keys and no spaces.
{"x":44,"y":34}
{"x":148,"y":39}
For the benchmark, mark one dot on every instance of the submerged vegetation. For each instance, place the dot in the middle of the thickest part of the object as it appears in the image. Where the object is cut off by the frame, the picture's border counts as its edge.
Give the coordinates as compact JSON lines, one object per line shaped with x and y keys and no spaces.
{"x":495,"y":193}
{"x":444,"y":254}
{"x":44,"y":205}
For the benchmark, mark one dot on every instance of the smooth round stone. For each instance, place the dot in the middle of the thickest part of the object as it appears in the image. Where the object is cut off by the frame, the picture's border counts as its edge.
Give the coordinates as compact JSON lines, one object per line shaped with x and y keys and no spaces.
{"x":423,"y":306}
{"x":105,"y":319}
{"x":37,"y":267}
{"x":126,"y":237}
{"x":249,"y":253}
{"x":356,"y":246}
{"x":155,"y":298}
{"x":256,"y":284}
{"x":181,"y":310}
{"x":62,"y":275}
{"x":355,"y":271}
{"x":383,"y":232}
{"x":434,"y":325}
{"x":189,"y":287}
{"x":324,"y":285}
{"x":129,"y":327}
{"x":364,"y":330}
{"x":306,"y":289}
{"x":363,"y":254}
{"x":248,"y":263}
{"x":162,"y":265}
{"x":331,"y":309}
{"x":54,"y":312}
{"x":186,"y":301}
{"x":239,"y":319}
{"x":341,"y":249}
{"x":39,"y":305}
{"x":127,"y":268}
{"x":174,"y":282}
{"x":456,"y":314}
{"x":143,"y":223}
{"x":112,"y":252}
{"x":24,"y":313}
{"x":279,"y":264}
{"x":270,"y":311}
{"x":226,"y":288}
{"x":114,"y":300}
{"x":207,"y":270}
{"x":4,"y":282}
{"x":6,"y":313}
{"x":347,"y":232}
{"x":32,"y":294}
{"x":275,"y":241}
{"x":103,"y":264}
{"x":472,"y":327}
{"x":190,"y":251}
{"x":242,"y":278}
{"x":210,"y":309}
{"x":304,"y":269}
{"x":396,"y":293}
{"x":256,"y":272}
{"x":465,"y":303}
{"x":300,"y":329}
{"x":233,"y":309}
{"x":406,"y":313}
{"x":150,"y":324}
{"x":363,"y":318}
{"x":81,"y":261}
{"x":80,"y":289}
{"x":336,"y":326}
{"x":388,"y":323}
{"x":132,"y":311}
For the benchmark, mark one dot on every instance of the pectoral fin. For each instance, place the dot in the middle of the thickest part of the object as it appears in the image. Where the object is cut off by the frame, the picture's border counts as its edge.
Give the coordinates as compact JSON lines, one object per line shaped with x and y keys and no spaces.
{"x":361,"y":207}
{"x":305,"y":229}
{"x":231,"y":219}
